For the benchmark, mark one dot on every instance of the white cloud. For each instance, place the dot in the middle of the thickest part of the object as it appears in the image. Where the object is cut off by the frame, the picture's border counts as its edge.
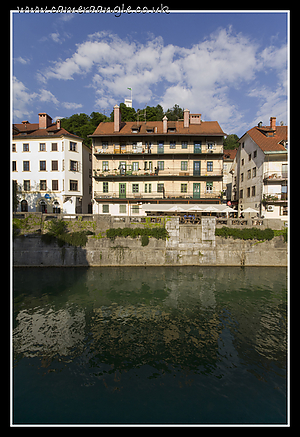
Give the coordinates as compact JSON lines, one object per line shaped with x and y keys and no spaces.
{"x":22,"y":98}
{"x":199,"y":78}
{"x":47,"y":96}
{"x":69,"y":105}
{"x":23,"y":61}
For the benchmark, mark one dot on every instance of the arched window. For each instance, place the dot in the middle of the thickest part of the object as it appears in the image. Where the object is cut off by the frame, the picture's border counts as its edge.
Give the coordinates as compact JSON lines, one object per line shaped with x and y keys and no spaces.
{"x":24,"y":206}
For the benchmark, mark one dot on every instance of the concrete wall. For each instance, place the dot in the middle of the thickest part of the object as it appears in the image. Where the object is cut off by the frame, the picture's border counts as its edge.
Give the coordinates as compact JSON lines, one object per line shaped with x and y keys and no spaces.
{"x":187,"y":245}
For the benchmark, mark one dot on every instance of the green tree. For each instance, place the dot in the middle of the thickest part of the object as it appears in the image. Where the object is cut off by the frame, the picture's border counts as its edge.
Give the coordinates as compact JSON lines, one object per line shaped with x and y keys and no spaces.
{"x":16,"y":199}
{"x":231,"y":142}
{"x":175,"y":113}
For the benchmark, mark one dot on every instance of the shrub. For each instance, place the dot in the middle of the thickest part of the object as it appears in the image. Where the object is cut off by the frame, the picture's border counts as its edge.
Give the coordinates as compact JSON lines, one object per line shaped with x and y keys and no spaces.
{"x":246,"y":233}
{"x":145,"y":240}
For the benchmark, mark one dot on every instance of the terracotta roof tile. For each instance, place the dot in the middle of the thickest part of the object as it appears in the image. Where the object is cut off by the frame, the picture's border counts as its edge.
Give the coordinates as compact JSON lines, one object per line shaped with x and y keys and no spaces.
{"x":268,"y":144}
{"x":205,"y":128}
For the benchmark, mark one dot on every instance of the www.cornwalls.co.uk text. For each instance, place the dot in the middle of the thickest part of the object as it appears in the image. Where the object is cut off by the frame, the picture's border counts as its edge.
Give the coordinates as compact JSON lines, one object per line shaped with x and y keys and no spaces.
{"x":116,"y":10}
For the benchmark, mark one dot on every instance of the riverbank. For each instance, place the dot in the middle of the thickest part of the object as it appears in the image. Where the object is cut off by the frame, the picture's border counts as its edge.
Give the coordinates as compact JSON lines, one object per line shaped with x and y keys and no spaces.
{"x":186,"y":245}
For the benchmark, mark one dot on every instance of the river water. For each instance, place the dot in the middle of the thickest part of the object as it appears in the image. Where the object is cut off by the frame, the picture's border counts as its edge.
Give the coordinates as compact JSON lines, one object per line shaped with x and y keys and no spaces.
{"x":141,"y":345}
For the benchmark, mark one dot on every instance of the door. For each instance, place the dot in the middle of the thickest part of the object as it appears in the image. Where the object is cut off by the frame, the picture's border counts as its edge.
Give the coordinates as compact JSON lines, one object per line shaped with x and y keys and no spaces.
{"x":122,"y":167}
{"x":160,"y":147}
{"x":122,"y":191}
{"x":196,"y":191}
{"x":197,"y":146}
{"x":196,"y":169}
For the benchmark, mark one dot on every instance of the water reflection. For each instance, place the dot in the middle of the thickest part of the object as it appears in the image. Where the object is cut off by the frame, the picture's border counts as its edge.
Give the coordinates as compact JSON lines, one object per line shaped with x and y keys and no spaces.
{"x":120,"y":327}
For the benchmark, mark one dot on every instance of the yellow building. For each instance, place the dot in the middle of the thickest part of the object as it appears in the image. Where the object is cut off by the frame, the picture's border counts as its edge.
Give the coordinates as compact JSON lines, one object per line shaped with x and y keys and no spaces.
{"x":156,"y":162}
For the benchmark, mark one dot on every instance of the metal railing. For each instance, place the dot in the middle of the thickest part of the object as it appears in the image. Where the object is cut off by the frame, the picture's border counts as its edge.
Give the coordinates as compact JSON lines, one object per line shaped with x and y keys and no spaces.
{"x":275,"y":175}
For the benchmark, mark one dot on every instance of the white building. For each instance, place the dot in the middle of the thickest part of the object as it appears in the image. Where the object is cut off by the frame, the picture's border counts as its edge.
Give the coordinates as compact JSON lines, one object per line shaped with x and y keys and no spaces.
{"x":260,"y":180}
{"x":52,"y":168}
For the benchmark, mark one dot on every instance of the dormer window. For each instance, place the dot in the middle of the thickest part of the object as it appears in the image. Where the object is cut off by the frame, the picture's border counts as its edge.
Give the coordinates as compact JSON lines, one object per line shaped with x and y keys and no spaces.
{"x":150,"y":130}
{"x":171,"y":129}
{"x":135,"y":129}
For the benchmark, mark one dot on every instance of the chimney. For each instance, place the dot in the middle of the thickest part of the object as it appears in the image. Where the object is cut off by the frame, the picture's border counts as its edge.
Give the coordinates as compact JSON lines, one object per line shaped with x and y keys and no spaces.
{"x":117,"y":118}
{"x":165,"y":124}
{"x":186,"y":118}
{"x":273,"y":123}
{"x":58,"y":123}
{"x":44,"y":120}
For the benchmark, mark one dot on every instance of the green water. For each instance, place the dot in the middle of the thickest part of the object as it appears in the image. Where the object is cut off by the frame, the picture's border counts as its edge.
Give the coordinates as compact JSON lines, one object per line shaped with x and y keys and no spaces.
{"x":150,"y":345}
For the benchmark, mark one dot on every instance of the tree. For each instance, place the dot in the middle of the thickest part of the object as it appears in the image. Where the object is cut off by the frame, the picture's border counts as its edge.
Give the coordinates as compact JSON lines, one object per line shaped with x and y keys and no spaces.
{"x":175,"y":113}
{"x":16,"y":199}
{"x":231,"y":142}
{"x":127,"y":114}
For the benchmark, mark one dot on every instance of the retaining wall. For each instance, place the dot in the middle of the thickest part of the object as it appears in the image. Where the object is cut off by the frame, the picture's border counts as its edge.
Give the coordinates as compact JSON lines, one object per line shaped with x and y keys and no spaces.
{"x":187,"y":245}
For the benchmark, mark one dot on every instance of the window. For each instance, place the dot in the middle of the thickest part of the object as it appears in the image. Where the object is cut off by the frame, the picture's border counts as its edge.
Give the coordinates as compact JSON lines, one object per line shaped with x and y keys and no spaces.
{"x":104,"y":165}
{"x":14,"y":148}
{"x":253,"y":190}
{"x":42,"y":147}
{"x":25,"y":165}
{"x":148,"y":188}
{"x":248,"y":192}
{"x":183,"y":188}
{"x":242,"y":177}
{"x":209,"y":166}
{"x":73,"y":165}
{"x":243,"y":145}
{"x":42,"y":165}
{"x":135,"y":166}
{"x":243,"y":161}
{"x":53,"y":147}
{"x":254,"y":172}
{"x":249,"y":174}
{"x":184,"y":165}
{"x":184,"y":145}
{"x":255,"y":154}
{"x":135,"y":188}
{"x":73,"y":185}
{"x":210,"y":146}
{"x":25,"y":147}
{"x":135,"y":209}
{"x":197,"y":146}
{"x":161,"y":165}
{"x":160,"y":188}
{"x":241,"y":194}
{"x":105,"y":187}
{"x":73,"y":146}
{"x":122,"y":209}
{"x":54,"y":185}
{"x":43,"y":185}
{"x":160,"y":147}
{"x":105,"y":209}
{"x":172,"y":145}
{"x":54,"y":165}
{"x":14,"y":166}
{"x":209,"y":187}
{"x":105,"y":145}
{"x":249,"y":157}
{"x":26,"y":185}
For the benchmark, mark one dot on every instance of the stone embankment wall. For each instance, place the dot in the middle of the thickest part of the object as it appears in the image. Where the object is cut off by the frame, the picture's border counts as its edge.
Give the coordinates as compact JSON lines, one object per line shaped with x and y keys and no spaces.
{"x":187,"y":245}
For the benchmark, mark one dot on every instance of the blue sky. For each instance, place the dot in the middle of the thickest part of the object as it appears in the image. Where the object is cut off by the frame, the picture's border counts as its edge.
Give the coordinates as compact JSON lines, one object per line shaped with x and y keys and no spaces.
{"x":230,"y":67}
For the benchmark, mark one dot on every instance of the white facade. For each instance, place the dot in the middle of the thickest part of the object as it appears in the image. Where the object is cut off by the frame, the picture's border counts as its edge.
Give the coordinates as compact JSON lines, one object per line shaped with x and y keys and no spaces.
{"x":53,"y":174}
{"x":260,"y":177}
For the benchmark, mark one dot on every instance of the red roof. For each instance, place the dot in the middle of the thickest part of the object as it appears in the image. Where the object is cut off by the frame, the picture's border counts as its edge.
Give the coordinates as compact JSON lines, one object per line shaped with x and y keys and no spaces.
{"x":209,"y":128}
{"x":229,"y":154}
{"x":269,"y":143}
{"x":31,"y":130}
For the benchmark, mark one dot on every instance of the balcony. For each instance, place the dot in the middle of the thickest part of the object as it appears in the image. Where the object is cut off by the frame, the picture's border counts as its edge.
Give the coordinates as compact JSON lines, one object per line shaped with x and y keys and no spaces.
{"x":275,"y":176}
{"x":155,"y":149}
{"x":160,"y":174}
{"x":156,"y":196}
{"x":274,"y":198}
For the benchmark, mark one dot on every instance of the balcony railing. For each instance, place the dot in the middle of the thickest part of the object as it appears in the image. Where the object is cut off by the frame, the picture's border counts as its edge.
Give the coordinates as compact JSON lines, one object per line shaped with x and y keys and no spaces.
{"x":160,"y":173}
{"x":167,"y":195}
{"x":275,"y":176}
{"x":119,"y":150}
{"x":275,"y":197}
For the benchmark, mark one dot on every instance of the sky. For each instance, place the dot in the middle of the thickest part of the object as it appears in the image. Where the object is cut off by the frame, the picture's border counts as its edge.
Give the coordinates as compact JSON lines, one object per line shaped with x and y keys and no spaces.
{"x":230,"y":67}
